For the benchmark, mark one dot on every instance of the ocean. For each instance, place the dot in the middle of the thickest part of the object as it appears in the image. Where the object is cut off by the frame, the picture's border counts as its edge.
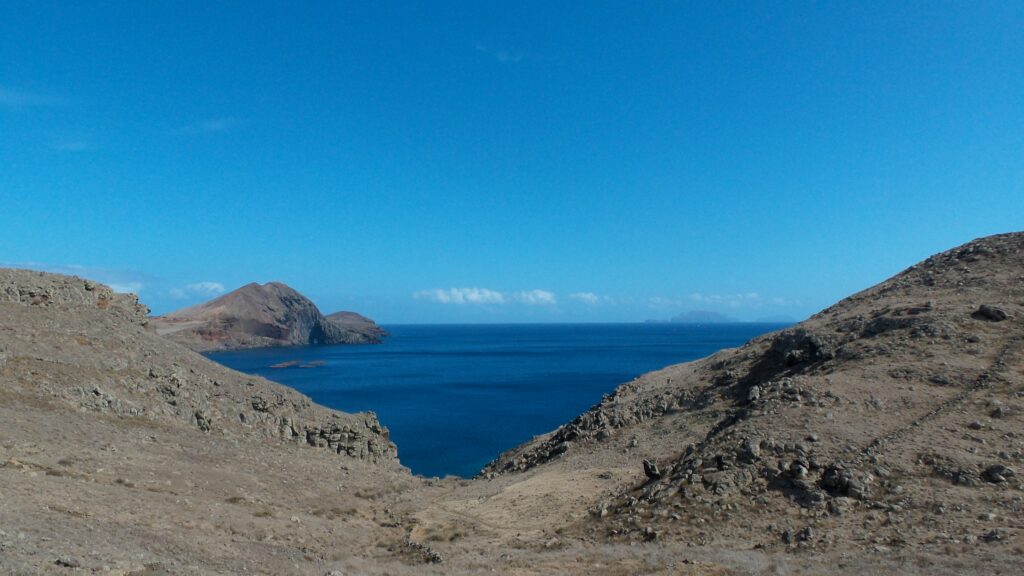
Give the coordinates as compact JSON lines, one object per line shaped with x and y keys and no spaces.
{"x":455,"y":396}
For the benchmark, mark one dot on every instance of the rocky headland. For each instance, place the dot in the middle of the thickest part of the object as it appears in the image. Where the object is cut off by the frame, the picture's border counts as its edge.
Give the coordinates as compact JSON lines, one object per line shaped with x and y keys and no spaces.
{"x":261,"y":315}
{"x":359,"y":328}
{"x":882,"y":435}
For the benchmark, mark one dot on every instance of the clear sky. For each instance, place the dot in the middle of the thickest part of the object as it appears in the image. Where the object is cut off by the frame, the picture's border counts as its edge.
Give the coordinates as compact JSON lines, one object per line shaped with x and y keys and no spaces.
{"x":504,"y":162}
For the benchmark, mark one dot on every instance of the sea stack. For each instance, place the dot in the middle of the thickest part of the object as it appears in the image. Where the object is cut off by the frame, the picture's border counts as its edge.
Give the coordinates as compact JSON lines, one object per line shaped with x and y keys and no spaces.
{"x":358,"y":328}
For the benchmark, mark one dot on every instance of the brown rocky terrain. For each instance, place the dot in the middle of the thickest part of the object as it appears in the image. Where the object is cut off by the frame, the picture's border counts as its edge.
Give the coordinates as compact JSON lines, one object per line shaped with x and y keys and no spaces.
{"x":891,"y":421}
{"x":882,"y":435}
{"x":357,"y":324}
{"x":256,"y":315}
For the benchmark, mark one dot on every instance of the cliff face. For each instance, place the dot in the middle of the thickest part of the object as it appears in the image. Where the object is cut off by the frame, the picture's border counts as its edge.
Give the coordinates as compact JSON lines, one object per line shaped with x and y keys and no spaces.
{"x":255,"y":316}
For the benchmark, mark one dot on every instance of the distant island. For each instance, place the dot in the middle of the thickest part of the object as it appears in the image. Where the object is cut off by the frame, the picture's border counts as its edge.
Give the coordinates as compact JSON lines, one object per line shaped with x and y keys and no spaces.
{"x":257,"y":316}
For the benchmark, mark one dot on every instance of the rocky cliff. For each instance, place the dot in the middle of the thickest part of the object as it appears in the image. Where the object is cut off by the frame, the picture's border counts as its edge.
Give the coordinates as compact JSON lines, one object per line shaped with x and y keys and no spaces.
{"x":255,"y":316}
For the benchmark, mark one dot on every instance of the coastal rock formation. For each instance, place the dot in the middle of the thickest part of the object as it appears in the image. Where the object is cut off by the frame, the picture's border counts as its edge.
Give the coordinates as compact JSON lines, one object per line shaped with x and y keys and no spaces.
{"x":889,"y":420}
{"x":256,"y":315}
{"x":356,"y":328}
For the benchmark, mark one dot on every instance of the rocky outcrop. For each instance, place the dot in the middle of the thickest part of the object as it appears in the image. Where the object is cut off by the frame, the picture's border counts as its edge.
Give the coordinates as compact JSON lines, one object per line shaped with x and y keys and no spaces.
{"x":256,"y":316}
{"x":78,"y":342}
{"x":41,"y":289}
{"x":353,"y":328}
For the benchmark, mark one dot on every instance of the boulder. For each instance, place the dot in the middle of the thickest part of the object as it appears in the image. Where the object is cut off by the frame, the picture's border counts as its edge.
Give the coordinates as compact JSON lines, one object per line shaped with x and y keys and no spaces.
{"x":990,"y":313}
{"x":651,"y":470}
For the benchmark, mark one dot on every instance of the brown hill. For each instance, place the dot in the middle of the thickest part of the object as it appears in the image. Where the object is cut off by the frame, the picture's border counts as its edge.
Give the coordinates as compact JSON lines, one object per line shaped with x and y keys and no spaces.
{"x":120,"y":449}
{"x":889,"y":421}
{"x":254,"y":316}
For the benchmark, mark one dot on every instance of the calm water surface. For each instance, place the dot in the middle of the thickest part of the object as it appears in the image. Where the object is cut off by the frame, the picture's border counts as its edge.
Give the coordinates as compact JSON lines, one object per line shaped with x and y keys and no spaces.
{"x":455,"y":396}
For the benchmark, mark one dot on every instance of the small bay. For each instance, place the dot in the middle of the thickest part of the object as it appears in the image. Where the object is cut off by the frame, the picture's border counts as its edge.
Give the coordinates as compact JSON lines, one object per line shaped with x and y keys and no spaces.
{"x":455,"y":396}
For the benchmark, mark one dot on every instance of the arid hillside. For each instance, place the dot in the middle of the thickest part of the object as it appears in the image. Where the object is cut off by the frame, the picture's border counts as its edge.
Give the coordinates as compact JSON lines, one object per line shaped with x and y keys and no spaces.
{"x":883,"y":435}
{"x":891,"y":421}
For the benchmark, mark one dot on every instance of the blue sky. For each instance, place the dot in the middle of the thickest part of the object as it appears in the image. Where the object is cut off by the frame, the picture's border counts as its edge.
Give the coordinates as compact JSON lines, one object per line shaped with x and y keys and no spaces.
{"x":528,"y":161}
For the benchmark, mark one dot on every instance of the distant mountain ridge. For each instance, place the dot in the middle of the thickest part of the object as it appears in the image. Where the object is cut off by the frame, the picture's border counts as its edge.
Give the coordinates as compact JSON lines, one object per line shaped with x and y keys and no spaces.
{"x":255,"y":316}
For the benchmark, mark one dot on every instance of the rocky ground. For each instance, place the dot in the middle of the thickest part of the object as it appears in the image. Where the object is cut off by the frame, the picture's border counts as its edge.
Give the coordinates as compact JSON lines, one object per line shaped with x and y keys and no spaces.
{"x":883,"y":435}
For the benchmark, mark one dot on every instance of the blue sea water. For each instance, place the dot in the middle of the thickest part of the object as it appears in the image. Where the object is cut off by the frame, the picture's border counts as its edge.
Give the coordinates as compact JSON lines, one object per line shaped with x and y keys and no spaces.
{"x":455,"y":396}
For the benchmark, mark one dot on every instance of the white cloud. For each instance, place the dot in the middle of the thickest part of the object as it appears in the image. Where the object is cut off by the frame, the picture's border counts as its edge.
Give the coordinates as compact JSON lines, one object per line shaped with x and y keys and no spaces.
{"x":588,"y":298}
{"x":486,"y":296}
{"x":206,"y":288}
{"x":739,"y":300}
{"x":536,"y":297}
{"x":132,"y":287}
{"x":713,"y":301}
{"x":660,"y":302}
{"x":461,"y":296}
{"x":730,"y":300}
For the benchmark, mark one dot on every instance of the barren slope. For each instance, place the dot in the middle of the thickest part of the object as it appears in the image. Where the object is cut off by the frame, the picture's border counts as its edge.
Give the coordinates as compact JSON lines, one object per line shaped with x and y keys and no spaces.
{"x":890,"y":421}
{"x":105,"y":424}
